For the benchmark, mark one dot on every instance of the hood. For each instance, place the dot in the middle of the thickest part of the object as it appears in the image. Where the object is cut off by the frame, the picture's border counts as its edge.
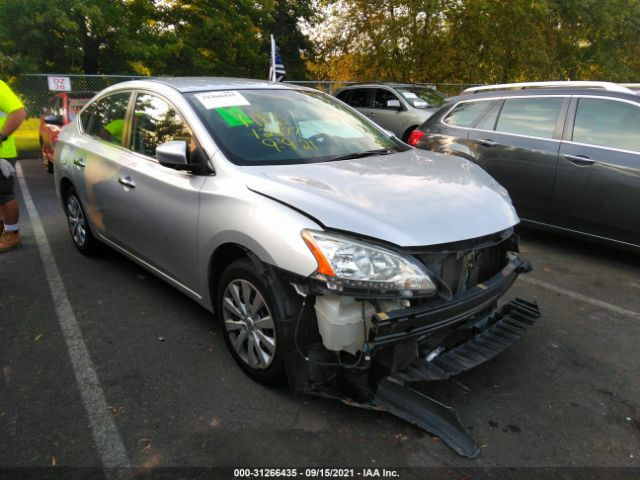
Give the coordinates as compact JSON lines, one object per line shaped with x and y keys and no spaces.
{"x":412,"y":198}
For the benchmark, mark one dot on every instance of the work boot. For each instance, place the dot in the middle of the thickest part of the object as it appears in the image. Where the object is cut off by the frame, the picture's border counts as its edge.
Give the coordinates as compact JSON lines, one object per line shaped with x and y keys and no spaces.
{"x":9,"y":241}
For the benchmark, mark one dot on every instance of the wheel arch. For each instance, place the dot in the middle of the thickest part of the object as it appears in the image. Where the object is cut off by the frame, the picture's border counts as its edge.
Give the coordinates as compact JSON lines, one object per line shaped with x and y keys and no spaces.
{"x":222,"y":257}
{"x":65,"y":186}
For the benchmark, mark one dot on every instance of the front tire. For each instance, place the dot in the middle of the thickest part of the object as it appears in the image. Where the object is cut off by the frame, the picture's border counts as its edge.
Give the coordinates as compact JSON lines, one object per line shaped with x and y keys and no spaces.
{"x":250,"y":306}
{"x":78,"y":223}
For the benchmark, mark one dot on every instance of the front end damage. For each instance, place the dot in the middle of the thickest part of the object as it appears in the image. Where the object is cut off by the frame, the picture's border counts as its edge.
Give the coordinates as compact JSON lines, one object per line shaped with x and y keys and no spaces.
{"x":369,"y":348}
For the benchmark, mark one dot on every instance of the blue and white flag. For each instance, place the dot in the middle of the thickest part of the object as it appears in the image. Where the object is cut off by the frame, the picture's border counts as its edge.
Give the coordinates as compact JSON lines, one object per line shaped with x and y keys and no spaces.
{"x":276,"y":72}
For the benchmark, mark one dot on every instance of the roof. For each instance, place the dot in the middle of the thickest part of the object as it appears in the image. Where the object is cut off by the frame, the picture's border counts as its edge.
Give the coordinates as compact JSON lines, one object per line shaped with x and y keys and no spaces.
{"x":614,"y":87}
{"x":198,"y":84}
{"x":388,"y":84}
{"x":545,"y":92}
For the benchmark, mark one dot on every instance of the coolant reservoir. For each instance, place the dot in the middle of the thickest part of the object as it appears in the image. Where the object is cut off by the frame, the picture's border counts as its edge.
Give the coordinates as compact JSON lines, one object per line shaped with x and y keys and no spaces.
{"x":340,"y":321}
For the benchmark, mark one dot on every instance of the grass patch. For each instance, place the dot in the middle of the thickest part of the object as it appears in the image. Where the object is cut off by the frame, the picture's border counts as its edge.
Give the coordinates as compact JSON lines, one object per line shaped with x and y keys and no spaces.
{"x":26,"y":137}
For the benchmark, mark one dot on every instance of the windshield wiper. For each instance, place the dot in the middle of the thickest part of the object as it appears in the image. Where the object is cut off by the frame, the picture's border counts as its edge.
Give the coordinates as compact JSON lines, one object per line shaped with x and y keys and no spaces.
{"x":368,"y":153}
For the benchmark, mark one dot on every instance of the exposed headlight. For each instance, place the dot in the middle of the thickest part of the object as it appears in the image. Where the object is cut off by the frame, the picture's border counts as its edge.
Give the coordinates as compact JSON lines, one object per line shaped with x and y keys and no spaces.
{"x":346,"y":264}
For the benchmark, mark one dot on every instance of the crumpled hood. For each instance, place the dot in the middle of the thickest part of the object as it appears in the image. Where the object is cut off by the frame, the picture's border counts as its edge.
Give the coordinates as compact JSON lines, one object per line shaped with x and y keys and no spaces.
{"x":412,"y":198}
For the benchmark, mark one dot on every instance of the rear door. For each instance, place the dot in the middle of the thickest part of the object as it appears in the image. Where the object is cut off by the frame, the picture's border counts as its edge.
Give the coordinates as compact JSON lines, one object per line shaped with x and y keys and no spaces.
{"x":95,"y":163}
{"x":521,"y":150}
{"x":598,"y":184}
{"x":359,"y":98}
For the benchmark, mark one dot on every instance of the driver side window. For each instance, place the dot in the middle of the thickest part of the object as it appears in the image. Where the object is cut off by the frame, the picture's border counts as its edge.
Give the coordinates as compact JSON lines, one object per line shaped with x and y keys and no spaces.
{"x":382,"y":97}
{"x":155,"y":122}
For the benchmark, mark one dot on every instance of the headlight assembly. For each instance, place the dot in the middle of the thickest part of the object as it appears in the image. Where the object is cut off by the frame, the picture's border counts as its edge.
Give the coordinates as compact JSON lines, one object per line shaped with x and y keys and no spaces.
{"x":347,"y":265}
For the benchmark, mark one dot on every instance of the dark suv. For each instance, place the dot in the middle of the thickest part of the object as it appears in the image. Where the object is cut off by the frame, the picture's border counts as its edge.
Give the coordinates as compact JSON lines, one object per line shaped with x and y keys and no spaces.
{"x":569,"y":157}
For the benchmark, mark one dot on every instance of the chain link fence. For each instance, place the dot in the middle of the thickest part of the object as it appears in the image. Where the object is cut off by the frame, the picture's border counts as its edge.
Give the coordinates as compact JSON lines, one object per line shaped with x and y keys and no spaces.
{"x":34,"y":91}
{"x":330,"y":87}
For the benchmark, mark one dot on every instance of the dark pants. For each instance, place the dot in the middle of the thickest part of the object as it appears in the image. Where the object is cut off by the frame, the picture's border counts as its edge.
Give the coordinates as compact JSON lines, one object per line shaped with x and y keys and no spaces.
{"x":6,"y":185}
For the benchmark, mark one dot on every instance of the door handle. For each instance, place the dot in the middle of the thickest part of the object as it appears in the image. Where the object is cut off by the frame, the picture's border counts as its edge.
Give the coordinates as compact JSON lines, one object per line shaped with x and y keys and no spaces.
{"x":127,"y":182}
{"x":486,"y":142}
{"x":580,"y":160}
{"x":79,"y":162}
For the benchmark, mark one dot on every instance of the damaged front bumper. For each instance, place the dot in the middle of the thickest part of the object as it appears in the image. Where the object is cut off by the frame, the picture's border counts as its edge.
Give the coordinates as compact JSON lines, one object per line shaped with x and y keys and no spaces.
{"x":399,"y":325}
{"x":434,"y":341}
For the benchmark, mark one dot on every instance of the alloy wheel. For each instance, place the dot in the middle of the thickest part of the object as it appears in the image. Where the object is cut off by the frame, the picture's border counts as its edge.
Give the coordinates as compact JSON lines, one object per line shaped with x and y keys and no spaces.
{"x":77,"y":224}
{"x":249,"y":324}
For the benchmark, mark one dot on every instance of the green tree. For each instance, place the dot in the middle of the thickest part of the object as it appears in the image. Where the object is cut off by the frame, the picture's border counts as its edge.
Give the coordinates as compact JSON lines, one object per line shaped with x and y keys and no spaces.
{"x":284,"y":23}
{"x":478,"y":41}
{"x":89,"y":36}
{"x":151,"y":37}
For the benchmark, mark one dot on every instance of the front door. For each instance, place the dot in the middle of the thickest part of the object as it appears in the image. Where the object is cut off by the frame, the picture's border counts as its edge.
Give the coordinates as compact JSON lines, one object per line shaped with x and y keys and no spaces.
{"x":158,"y":207}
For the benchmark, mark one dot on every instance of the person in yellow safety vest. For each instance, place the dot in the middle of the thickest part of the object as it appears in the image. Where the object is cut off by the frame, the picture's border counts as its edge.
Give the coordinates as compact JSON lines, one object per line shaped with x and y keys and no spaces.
{"x":113,"y":130}
{"x":12,"y":114}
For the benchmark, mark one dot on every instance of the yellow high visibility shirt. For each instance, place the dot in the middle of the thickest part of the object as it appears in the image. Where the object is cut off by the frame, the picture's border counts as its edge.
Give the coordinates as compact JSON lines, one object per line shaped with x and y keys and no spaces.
{"x":9,"y":102}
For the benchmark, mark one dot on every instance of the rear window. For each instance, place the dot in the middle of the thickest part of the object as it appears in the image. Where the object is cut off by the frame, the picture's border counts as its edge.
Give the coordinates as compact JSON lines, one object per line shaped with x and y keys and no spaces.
{"x":607,"y":123}
{"x":359,"y":98}
{"x":535,"y":117}
{"x":466,"y":114}
{"x":74,"y":105}
{"x":344,"y":95}
{"x":382,"y":97}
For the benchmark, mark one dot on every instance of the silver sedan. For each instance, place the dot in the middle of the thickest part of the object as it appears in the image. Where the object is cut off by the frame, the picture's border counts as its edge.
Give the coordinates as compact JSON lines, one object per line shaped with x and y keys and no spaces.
{"x":322,"y":243}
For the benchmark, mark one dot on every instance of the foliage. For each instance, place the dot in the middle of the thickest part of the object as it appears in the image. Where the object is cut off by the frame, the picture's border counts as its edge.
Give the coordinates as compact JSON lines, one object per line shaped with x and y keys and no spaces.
{"x":151,"y":37}
{"x":478,"y":41}
{"x":464,"y":41}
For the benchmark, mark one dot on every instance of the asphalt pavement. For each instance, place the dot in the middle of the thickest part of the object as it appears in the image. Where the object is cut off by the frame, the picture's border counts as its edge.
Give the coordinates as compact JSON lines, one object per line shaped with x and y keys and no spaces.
{"x":565,"y":396}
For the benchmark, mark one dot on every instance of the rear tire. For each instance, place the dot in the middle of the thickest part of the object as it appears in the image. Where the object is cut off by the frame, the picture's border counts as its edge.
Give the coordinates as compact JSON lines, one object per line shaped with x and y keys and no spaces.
{"x":78,"y":223}
{"x":48,"y":165}
{"x":251,"y":308}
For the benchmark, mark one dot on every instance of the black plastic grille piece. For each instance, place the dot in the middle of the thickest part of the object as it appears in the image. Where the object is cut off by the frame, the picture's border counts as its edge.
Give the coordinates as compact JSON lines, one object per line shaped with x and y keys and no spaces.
{"x":507,"y":325}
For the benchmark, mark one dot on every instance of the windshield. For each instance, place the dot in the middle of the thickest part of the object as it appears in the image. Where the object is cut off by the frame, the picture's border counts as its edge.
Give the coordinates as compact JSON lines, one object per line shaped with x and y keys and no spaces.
{"x":422,"y":97}
{"x":270,"y":127}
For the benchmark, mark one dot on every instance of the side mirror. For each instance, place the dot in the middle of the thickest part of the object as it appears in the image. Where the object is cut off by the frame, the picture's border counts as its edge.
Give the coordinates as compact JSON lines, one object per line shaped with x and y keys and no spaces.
{"x":393,"y":104}
{"x":53,"y":120}
{"x":173,"y":154}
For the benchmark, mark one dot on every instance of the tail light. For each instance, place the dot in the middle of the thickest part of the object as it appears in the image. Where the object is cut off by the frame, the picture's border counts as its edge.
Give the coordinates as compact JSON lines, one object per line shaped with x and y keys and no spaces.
{"x":415,"y":137}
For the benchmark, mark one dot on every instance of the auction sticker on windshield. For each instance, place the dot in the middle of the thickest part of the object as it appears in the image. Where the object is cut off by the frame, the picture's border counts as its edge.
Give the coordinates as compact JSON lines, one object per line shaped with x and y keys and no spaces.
{"x":211,"y":100}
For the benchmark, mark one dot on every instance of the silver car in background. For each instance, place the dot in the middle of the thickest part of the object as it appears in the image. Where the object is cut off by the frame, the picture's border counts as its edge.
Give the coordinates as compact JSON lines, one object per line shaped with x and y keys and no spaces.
{"x":397,"y":107}
{"x":327,"y":249}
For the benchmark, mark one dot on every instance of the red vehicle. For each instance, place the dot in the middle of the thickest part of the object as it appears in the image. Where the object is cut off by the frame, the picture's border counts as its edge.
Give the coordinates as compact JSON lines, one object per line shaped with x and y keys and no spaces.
{"x":60,"y":110}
